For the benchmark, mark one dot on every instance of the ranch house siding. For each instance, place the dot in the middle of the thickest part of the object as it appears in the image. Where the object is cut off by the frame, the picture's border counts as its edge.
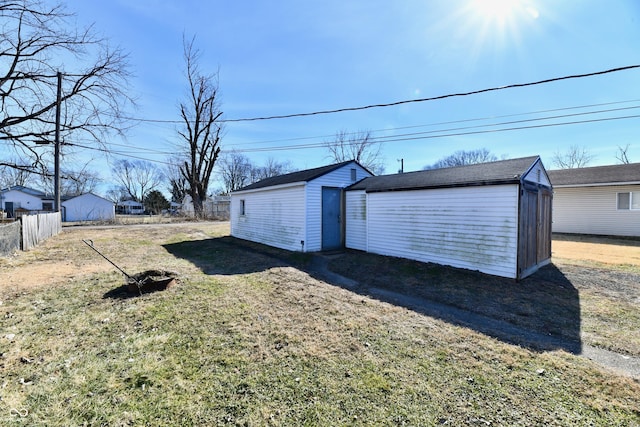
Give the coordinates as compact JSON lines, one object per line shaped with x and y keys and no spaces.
{"x":21,"y":200}
{"x":468,"y":227}
{"x":594,"y":210}
{"x":339,"y":178}
{"x":274,"y":217}
{"x":356,"y":220}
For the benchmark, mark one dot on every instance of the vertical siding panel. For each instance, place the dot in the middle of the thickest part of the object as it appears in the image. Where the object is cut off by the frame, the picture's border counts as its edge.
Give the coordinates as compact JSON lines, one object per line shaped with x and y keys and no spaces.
{"x":472,"y":227}
{"x":594,"y":210}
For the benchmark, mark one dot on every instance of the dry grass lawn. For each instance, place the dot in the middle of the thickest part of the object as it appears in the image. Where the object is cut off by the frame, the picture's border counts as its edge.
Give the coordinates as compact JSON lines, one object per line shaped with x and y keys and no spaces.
{"x":251,"y":336}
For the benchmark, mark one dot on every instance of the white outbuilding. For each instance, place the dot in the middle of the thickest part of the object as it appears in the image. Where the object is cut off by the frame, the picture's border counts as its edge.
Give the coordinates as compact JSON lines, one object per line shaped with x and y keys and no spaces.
{"x":492,"y":217}
{"x":88,"y":207}
{"x":299,"y":211}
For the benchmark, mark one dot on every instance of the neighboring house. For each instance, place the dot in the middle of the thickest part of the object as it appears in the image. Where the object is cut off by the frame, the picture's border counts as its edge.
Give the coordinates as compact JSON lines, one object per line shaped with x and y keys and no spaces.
{"x":602,"y":200}
{"x":298,"y":211}
{"x":24,"y":199}
{"x":213,"y":207}
{"x":88,"y":207}
{"x":130,"y":207}
{"x":492,"y":217}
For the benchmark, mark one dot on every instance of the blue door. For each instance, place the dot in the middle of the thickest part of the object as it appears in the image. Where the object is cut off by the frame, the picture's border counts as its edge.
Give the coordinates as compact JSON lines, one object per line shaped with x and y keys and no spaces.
{"x":331,"y":218}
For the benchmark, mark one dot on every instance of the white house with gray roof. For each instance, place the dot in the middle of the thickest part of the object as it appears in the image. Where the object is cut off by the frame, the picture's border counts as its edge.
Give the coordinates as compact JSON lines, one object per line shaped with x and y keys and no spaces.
{"x":601,"y":200}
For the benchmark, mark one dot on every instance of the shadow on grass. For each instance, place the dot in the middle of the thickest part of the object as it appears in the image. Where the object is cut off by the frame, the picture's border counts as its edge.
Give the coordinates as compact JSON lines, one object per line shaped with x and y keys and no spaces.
{"x":541,"y":312}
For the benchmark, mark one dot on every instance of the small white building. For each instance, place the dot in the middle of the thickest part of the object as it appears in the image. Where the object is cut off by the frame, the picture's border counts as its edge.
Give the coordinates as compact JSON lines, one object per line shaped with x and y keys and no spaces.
{"x":491,"y":217}
{"x":298,"y":211}
{"x":88,"y":207}
{"x":602,"y":200}
{"x":23,"y":198}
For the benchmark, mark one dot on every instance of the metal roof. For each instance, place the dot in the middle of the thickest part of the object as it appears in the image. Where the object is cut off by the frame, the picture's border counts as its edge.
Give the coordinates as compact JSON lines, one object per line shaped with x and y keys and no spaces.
{"x":299,"y":176}
{"x":598,"y":175}
{"x":492,"y":173}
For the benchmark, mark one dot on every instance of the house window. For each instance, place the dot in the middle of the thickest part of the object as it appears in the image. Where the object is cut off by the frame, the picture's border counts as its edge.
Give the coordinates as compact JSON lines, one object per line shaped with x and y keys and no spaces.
{"x":353,"y":175}
{"x":47,"y":206}
{"x":242,"y":207}
{"x":629,"y":201}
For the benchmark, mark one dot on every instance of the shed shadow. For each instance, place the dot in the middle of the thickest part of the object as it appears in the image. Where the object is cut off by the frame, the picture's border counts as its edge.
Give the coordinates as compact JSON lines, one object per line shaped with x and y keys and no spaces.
{"x":541,"y":312}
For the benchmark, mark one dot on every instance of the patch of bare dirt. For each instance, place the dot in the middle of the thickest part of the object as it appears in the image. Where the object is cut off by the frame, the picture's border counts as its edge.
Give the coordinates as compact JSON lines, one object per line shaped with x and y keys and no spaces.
{"x":597,"y":249}
{"x":65,"y":257}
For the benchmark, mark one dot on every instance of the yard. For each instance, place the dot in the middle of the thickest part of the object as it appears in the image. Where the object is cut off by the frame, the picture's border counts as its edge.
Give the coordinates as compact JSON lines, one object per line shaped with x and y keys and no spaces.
{"x":258,"y":336}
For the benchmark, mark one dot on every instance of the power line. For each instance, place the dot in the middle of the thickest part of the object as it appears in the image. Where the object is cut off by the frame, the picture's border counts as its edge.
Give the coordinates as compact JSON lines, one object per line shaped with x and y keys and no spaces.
{"x":434,"y":98}
{"x":320,"y":145}
{"x":384,"y":137}
{"x":417,"y":135}
{"x":408,"y":101}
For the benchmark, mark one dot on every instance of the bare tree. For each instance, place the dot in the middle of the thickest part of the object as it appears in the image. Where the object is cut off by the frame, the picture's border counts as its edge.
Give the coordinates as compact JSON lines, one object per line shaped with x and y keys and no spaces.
{"x":72,"y":182}
{"x":236,"y":171}
{"x":177,"y":182}
{"x":272,"y":167}
{"x":17,"y":174}
{"x":38,"y":39}
{"x":201,"y":131}
{"x":574,"y":157}
{"x":116,"y":194}
{"x":359,"y":146}
{"x":137,"y":177}
{"x":462,"y":157}
{"x":621,"y":156}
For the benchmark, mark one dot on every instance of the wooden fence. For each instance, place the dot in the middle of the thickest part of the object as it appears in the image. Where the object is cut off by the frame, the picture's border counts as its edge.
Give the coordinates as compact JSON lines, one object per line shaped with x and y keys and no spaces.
{"x":38,"y":228}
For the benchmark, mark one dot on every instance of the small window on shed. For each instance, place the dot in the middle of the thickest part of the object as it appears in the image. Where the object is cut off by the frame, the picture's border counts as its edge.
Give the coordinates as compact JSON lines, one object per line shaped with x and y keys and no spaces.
{"x":242,"y":207}
{"x":353,"y":175}
{"x":629,"y":201}
{"x":47,"y":206}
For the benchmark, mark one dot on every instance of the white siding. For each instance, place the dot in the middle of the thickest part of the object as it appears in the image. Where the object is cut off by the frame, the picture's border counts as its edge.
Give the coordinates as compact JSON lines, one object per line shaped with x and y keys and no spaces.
{"x":472,"y":227}
{"x":21,"y":200}
{"x":356,"y":220}
{"x":594,"y":210}
{"x":88,"y":207}
{"x":338,"y":178}
{"x":275,"y":217}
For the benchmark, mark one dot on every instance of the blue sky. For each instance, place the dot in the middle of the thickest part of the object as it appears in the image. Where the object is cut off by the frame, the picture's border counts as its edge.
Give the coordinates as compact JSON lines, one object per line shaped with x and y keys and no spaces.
{"x":283,"y":57}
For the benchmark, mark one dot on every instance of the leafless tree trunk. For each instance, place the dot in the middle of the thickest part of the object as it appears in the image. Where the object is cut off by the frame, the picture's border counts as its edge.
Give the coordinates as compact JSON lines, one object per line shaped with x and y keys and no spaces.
{"x":177,"y":182}
{"x":201,"y":129}
{"x":574,"y":157}
{"x":621,"y":156}
{"x":36,"y":38}
{"x":358,"y":146}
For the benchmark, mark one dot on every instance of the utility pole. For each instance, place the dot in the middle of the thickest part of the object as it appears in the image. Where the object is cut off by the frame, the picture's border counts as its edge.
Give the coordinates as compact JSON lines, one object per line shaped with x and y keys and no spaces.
{"x":56,"y":172}
{"x":401,"y":165}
